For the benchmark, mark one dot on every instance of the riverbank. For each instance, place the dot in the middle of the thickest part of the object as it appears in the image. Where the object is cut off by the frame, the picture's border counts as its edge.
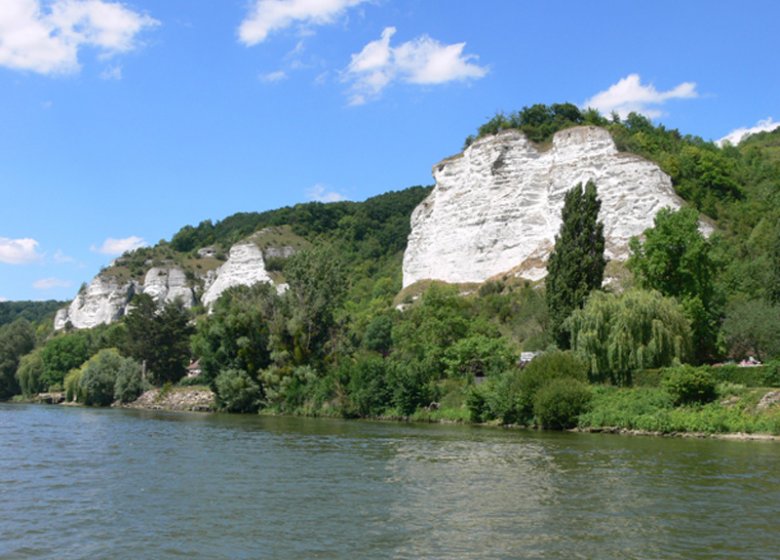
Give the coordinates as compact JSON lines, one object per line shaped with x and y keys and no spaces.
{"x":175,"y":399}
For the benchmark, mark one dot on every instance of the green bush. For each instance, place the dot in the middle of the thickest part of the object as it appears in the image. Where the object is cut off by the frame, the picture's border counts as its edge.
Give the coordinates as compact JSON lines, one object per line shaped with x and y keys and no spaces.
{"x":128,"y":385}
{"x":98,"y":377}
{"x":367,"y":386}
{"x":767,"y":375}
{"x":689,"y":385}
{"x":558,"y":404}
{"x":236,"y":391}
{"x":541,"y":371}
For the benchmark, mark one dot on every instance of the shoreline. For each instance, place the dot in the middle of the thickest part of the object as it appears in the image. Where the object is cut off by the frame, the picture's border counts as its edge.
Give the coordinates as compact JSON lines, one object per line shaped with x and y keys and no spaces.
{"x":200,"y":399}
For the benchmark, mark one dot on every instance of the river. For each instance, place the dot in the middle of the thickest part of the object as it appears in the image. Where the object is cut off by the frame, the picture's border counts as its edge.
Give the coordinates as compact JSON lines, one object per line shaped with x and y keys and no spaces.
{"x":98,"y":483}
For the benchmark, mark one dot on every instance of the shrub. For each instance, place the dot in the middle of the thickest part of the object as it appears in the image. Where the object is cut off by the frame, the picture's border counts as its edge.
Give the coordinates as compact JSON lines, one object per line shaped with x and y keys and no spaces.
{"x":236,"y":391}
{"x":369,"y":392}
{"x":541,"y":371}
{"x":689,"y":385}
{"x":128,"y":385}
{"x":559,"y":403}
{"x":99,"y":374}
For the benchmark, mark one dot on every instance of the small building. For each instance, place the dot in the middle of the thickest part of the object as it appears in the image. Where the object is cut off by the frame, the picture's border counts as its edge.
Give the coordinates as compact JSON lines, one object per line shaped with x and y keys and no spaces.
{"x":193,"y":370}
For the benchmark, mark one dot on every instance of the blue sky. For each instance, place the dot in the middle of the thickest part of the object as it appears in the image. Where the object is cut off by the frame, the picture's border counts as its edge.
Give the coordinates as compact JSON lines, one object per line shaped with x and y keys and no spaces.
{"x":120,"y":122}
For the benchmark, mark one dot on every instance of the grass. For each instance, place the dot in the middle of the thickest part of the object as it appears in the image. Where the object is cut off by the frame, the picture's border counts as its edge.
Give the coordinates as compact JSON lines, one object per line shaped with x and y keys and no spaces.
{"x":651,"y":409}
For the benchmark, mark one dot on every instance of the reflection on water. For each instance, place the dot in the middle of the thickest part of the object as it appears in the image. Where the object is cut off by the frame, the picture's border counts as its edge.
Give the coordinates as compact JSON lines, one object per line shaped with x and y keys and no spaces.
{"x":81,"y":483}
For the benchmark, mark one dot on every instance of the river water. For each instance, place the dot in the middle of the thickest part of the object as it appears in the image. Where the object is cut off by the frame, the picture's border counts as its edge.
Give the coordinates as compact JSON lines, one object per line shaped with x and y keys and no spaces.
{"x":90,"y":483}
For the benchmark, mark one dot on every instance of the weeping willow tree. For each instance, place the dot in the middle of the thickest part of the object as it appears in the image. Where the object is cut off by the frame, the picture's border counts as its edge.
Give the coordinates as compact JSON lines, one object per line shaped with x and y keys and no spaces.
{"x":620,"y":334}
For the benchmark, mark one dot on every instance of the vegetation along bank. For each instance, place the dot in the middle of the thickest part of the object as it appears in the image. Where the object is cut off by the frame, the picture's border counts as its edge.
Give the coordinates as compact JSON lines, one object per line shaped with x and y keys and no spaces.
{"x":655,"y":348}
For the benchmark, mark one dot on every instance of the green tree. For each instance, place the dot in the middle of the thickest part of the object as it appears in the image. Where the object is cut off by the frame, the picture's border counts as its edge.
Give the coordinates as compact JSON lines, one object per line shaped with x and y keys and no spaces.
{"x":576,"y":264}
{"x":675,"y":260}
{"x":318,"y":285}
{"x":98,"y":375}
{"x":235,"y":335}
{"x":62,"y":354}
{"x":619,"y":334}
{"x":161,"y":338}
{"x":752,"y":328}
{"x":16,"y":340}
{"x":29,"y":373}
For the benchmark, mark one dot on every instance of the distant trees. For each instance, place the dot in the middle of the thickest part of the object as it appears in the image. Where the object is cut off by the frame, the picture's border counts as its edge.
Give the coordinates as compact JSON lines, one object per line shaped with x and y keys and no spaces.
{"x":576,"y":264}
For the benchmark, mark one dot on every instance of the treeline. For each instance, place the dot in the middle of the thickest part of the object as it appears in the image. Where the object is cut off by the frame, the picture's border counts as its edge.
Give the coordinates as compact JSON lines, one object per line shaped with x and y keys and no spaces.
{"x":33,"y":311}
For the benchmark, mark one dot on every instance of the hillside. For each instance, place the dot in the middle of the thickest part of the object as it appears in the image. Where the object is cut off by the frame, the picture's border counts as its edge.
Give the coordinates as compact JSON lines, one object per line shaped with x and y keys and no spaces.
{"x":306,"y":314}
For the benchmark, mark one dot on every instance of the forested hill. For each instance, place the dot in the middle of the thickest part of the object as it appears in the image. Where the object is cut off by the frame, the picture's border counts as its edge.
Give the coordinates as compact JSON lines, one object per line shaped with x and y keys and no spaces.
{"x":379,"y":224}
{"x":33,"y":311}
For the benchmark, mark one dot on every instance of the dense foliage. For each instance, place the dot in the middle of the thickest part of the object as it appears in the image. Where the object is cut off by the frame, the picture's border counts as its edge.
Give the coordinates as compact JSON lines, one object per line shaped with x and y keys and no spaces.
{"x":620,"y":334}
{"x":32,"y":311}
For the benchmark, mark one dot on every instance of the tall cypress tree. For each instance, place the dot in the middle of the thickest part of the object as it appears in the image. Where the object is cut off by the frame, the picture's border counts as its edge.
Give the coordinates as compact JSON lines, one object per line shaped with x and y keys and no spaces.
{"x":576,"y":264}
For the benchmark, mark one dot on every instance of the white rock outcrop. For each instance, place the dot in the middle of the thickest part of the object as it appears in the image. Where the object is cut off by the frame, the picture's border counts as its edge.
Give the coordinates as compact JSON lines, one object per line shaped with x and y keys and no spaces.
{"x":497,"y":206}
{"x":165,"y":285}
{"x":104,"y":300}
{"x":244,"y":267}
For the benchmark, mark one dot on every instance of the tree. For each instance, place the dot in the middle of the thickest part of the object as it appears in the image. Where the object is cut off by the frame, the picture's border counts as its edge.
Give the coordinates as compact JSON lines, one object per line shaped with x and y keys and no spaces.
{"x":16,"y":340}
{"x":62,"y":354}
{"x":752,"y":328}
{"x":619,"y":334}
{"x":317,"y":288}
{"x":161,"y":339}
{"x":29,"y":372}
{"x":98,"y":375}
{"x":576,"y":264}
{"x":675,"y":260}
{"x":236,"y":334}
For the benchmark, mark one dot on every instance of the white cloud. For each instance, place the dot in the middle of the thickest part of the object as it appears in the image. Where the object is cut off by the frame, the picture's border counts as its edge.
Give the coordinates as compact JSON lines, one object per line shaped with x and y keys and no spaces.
{"x":19,"y":251}
{"x":320,"y":193}
{"x":51,"y":283}
{"x":273,"y":77}
{"x":272,"y":15}
{"x":420,"y":61}
{"x":737,"y":135}
{"x":3,"y":299}
{"x":62,"y":258}
{"x":112,"y":73}
{"x":48,"y":41}
{"x":113,"y":246}
{"x":630,"y":95}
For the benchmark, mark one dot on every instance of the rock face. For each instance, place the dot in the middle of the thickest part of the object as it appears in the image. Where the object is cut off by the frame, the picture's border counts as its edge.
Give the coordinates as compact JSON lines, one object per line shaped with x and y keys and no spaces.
{"x":168,"y":284}
{"x":245,"y":266}
{"x":103,"y":301}
{"x":497,"y":206}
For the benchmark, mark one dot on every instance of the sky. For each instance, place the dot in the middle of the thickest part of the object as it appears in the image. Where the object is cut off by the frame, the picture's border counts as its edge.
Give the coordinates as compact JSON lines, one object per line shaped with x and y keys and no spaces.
{"x":122,"y":121}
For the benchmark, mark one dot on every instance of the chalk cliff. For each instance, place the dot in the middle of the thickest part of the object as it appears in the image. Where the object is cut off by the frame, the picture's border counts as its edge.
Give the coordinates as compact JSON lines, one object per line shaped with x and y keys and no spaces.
{"x":245,"y":266}
{"x":497,"y":206}
{"x":106,"y":299}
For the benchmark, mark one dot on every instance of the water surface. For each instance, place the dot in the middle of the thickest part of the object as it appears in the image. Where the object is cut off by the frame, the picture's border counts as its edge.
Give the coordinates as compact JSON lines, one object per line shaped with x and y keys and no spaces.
{"x":90,"y":483}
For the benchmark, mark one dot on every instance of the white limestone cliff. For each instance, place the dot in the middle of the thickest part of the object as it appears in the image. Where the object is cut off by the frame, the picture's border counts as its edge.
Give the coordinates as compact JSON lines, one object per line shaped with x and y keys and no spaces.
{"x":165,"y":285}
{"x":497,"y":206}
{"x":104,"y":300}
{"x":245,"y":266}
